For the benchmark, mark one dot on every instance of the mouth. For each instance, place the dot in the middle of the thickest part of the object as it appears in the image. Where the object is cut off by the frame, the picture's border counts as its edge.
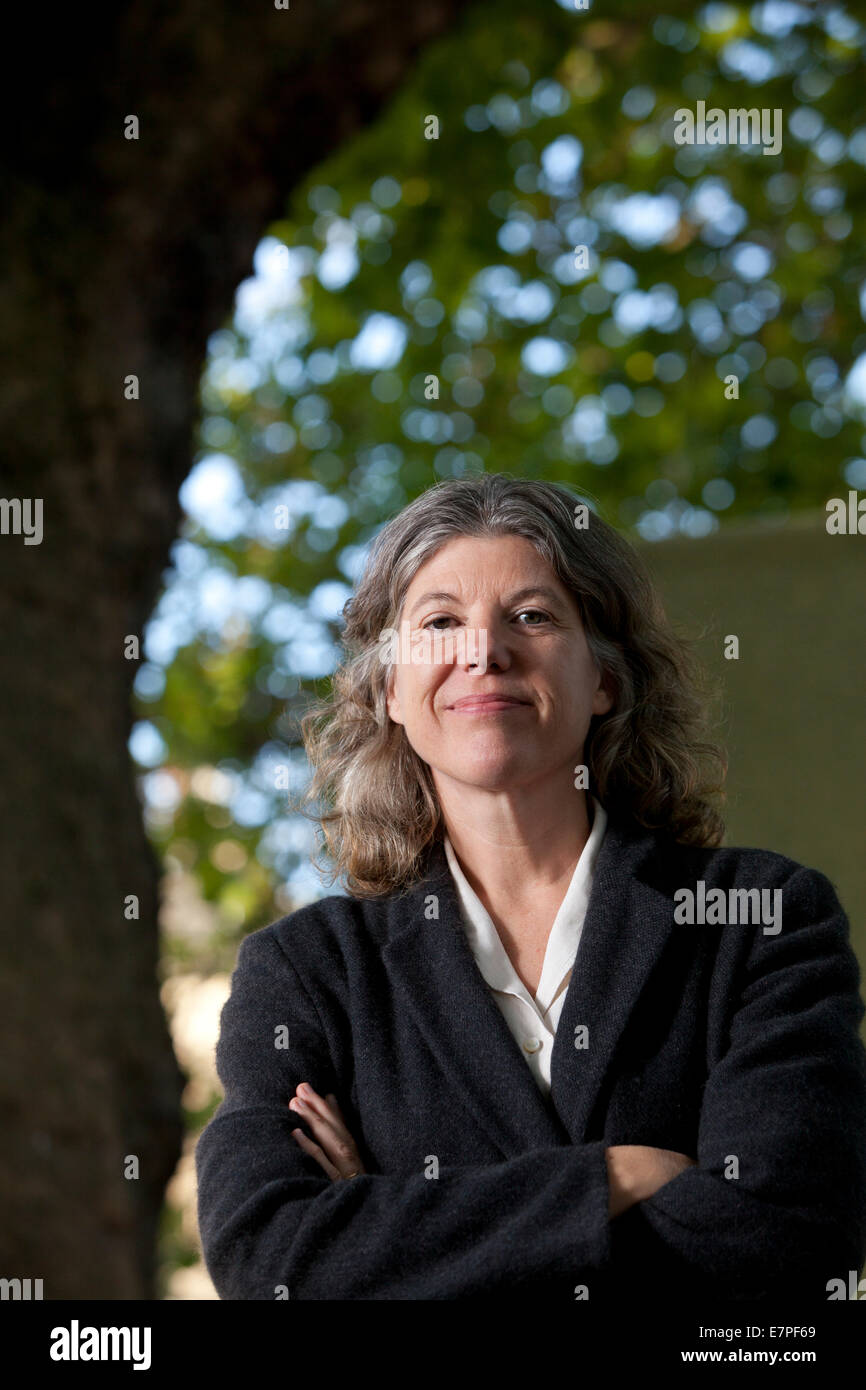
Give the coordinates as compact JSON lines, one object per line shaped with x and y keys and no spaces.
{"x":487,"y":704}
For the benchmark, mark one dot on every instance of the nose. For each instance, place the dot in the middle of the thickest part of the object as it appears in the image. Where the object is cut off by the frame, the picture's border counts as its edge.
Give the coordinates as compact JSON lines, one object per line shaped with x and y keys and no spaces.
{"x":487,"y":647}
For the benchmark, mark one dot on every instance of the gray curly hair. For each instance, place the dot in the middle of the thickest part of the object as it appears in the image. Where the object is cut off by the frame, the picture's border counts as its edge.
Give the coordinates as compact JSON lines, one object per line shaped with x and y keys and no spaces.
{"x":650,"y":762}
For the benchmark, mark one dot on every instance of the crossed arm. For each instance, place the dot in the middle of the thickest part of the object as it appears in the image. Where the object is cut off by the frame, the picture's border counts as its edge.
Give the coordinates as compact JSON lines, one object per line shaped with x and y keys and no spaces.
{"x":635,"y":1171}
{"x":787,"y":1097}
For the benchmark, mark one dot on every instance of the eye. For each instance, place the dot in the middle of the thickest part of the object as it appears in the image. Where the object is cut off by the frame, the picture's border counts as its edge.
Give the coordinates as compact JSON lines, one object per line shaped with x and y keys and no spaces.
{"x":538,"y":613}
{"x":534,"y":612}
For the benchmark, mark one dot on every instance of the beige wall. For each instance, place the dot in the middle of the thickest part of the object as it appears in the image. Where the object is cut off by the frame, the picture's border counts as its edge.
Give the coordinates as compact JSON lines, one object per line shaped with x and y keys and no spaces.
{"x":795,"y":701}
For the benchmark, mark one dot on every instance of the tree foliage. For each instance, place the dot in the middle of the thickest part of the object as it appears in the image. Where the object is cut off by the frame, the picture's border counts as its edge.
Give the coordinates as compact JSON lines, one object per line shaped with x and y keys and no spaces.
{"x":418,"y":259}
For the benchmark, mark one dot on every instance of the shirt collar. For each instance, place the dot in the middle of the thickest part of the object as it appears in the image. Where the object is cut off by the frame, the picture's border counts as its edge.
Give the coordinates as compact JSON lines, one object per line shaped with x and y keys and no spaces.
{"x":484,"y":939}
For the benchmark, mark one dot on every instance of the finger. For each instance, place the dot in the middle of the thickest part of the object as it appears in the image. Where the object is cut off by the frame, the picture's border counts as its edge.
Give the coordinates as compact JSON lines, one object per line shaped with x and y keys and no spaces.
{"x":317,"y":1153}
{"x":324,"y":1117}
{"x":334,"y":1137}
{"x":326,"y":1107}
{"x":335,"y":1140}
{"x":338,"y":1159}
{"x":316,"y":1113}
{"x":312,"y":1098}
{"x":334,"y":1104}
{"x":321,"y":1111}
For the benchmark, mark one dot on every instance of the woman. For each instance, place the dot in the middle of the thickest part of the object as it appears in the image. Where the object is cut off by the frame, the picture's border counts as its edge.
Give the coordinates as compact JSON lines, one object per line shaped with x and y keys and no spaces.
{"x":556,"y":1040}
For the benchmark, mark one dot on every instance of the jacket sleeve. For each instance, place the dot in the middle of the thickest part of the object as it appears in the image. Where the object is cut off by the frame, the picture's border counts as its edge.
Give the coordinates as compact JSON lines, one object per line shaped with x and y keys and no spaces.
{"x":273,"y":1225}
{"x":777,"y":1204}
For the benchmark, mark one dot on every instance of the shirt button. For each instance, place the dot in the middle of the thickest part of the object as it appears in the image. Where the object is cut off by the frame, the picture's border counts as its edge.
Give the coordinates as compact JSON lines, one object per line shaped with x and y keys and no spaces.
{"x":531,"y":1044}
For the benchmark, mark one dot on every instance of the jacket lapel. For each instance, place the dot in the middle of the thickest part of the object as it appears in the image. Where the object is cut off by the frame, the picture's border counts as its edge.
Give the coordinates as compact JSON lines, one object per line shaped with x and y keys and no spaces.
{"x":627,"y":924}
{"x":629,"y":921}
{"x":431,"y":963}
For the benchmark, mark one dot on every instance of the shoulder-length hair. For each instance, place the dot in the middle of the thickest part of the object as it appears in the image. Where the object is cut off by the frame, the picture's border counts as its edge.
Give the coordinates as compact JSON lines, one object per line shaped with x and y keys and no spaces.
{"x":649,"y":762}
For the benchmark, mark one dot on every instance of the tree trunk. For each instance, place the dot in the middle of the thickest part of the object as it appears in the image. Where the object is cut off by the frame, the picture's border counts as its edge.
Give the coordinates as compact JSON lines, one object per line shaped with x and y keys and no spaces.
{"x":121,"y":257}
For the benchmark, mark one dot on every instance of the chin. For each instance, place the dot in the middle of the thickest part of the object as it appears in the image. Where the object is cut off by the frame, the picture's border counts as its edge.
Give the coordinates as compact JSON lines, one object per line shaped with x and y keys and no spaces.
{"x":489,"y":775}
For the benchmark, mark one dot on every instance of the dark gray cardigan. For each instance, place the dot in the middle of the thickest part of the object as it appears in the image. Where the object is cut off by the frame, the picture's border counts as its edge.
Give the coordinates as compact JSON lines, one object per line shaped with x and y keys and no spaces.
{"x":736,"y":1046}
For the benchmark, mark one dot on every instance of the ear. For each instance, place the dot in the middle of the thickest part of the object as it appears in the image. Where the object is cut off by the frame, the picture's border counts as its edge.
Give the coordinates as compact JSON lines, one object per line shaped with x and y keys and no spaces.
{"x":603,"y":700}
{"x":392,"y":702}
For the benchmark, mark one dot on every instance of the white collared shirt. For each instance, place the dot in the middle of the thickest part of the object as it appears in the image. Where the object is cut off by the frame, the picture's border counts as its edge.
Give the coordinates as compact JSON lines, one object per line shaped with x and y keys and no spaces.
{"x":532,"y":1021}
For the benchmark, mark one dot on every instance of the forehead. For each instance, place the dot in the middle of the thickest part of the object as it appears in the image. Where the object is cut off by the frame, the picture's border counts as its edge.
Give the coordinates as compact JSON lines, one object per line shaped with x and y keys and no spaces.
{"x":485,"y":557}
{"x":501,"y":565}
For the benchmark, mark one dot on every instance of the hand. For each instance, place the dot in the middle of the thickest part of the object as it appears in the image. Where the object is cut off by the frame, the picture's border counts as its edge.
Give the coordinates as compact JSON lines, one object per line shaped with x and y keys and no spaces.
{"x":637,"y":1171}
{"x":335,"y":1152}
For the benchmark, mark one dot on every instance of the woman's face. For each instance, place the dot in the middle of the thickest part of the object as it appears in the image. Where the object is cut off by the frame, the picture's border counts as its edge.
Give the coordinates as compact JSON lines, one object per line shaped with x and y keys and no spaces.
{"x":501,"y":590}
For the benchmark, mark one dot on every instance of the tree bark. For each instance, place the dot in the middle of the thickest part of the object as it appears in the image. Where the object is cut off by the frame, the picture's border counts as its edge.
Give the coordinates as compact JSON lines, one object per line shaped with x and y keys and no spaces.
{"x":121,"y":256}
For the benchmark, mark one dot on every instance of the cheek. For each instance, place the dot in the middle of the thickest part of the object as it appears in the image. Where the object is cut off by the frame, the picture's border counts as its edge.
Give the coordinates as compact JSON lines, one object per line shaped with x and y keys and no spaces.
{"x":426,"y":699}
{"x":411,"y":687}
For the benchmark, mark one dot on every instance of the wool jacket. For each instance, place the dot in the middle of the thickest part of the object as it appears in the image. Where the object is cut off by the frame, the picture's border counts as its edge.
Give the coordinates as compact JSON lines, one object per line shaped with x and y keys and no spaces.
{"x":733,"y":1043}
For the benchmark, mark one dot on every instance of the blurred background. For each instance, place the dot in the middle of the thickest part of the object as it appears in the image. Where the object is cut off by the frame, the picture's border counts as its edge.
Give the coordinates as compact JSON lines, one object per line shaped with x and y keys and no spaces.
{"x":415,"y":311}
{"x":403,"y":256}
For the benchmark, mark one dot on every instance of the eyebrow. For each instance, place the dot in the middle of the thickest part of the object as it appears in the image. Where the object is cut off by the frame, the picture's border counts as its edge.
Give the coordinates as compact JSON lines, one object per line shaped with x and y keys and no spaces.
{"x":442,"y":596}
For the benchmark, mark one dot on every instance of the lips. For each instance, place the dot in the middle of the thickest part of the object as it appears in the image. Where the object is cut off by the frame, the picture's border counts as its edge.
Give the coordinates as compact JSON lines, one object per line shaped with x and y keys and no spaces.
{"x":488,"y":702}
